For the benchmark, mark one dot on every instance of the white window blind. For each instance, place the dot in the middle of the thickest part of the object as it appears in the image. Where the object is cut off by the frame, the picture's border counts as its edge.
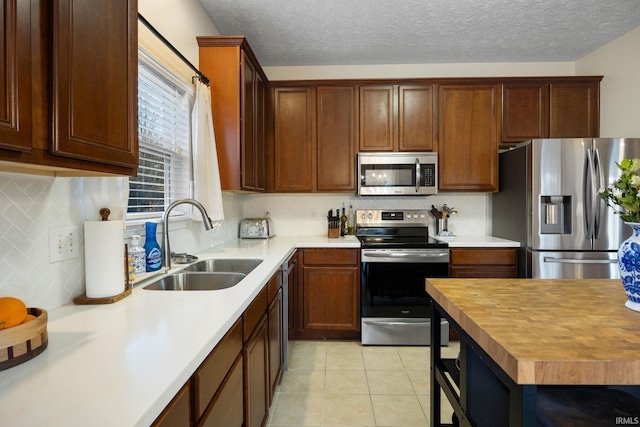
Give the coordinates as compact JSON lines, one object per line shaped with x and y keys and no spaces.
{"x":164,"y":139}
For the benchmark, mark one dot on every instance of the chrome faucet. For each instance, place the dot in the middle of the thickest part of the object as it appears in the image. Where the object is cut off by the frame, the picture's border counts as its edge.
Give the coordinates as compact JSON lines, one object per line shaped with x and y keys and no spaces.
{"x":208,"y":225}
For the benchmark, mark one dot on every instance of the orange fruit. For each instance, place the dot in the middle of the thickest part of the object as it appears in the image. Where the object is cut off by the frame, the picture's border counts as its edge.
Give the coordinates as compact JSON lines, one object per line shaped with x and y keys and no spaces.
{"x":29,"y":318}
{"x":12,"y":312}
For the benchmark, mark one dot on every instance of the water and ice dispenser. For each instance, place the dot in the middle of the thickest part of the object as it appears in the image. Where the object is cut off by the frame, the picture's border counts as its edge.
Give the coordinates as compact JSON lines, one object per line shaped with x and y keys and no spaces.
{"x":556,"y":212}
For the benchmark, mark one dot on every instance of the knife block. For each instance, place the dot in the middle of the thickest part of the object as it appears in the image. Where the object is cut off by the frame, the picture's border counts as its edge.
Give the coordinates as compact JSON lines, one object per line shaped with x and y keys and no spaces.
{"x":333,"y":233}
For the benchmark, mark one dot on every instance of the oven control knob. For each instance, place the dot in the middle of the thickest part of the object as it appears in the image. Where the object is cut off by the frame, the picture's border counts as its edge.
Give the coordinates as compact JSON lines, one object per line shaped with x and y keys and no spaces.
{"x":370,"y":216}
{"x":415,"y":216}
{"x":422,"y":216}
{"x":362,"y":215}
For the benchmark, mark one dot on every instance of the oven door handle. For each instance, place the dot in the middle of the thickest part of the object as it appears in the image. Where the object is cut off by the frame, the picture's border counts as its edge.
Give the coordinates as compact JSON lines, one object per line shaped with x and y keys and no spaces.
{"x":383,"y":323}
{"x":405,"y":255}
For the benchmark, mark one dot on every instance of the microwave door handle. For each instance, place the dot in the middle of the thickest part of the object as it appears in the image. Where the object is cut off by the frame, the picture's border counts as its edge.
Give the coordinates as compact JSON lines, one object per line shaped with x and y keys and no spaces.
{"x":418,"y":174}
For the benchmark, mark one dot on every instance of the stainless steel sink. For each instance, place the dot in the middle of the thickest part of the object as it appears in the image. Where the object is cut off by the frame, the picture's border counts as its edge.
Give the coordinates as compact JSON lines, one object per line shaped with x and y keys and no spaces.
{"x":196,"y":282}
{"x":234,"y":265}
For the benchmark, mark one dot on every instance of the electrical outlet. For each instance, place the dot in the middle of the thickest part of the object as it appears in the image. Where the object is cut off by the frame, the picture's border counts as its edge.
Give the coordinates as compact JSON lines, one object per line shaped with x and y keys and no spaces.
{"x":314,"y":214}
{"x":63,"y":243}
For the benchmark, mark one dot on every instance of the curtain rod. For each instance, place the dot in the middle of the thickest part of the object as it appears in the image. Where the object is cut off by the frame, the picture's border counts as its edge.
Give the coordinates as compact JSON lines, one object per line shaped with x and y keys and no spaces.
{"x":204,"y":79}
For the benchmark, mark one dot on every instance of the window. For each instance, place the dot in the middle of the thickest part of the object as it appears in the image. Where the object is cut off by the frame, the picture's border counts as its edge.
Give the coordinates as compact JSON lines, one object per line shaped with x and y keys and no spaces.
{"x":164,"y":121}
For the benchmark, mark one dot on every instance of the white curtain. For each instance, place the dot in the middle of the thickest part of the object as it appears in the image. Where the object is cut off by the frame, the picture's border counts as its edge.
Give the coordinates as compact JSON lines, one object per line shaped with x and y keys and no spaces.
{"x":206,"y":175}
{"x":108,"y":192}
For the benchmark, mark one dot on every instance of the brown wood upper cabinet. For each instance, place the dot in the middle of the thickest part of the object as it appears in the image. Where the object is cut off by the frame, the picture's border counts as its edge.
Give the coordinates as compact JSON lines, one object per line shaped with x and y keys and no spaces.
{"x":69,"y":75}
{"x":468,"y":137}
{"x":542,"y":108}
{"x":294,"y":141}
{"x":396,"y":117}
{"x":237,"y":85}
{"x":314,"y":138}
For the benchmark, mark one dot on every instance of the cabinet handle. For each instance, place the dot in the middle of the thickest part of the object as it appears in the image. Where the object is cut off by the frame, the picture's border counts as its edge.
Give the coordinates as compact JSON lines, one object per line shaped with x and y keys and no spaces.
{"x":380,"y":323}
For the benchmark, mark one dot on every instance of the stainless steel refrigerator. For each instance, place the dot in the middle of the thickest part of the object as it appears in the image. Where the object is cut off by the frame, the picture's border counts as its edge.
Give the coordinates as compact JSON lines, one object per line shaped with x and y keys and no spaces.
{"x":548,"y":201}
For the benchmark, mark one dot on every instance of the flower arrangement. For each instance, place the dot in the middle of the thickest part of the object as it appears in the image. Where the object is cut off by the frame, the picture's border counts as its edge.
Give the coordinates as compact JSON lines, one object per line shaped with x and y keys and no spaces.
{"x":623,"y":195}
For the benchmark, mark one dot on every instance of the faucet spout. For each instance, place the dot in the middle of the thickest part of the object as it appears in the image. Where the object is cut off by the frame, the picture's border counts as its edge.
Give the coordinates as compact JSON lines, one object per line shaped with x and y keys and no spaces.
{"x":166,"y":249}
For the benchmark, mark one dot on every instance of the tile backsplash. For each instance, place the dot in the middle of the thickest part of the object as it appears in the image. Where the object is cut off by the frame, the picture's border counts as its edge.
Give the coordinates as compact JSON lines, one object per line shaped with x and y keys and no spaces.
{"x":30,"y":204}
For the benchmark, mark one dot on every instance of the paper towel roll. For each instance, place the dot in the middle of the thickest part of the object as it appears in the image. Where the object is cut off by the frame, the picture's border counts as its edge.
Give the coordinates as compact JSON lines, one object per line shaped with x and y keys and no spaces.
{"x":104,"y":258}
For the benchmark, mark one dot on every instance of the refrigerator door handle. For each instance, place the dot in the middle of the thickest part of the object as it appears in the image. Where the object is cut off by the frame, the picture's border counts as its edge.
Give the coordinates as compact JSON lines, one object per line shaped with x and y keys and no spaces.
{"x":579,"y":261}
{"x":589,"y":197}
{"x":597,"y":185}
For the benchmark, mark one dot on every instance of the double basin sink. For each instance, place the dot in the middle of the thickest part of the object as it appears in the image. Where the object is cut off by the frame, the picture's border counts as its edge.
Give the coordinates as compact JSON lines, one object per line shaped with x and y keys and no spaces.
{"x":207,"y":275}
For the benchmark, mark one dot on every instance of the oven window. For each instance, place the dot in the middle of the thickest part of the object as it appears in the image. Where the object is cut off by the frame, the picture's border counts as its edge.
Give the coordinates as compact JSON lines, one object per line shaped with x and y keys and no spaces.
{"x":398,"y":284}
{"x":388,"y":175}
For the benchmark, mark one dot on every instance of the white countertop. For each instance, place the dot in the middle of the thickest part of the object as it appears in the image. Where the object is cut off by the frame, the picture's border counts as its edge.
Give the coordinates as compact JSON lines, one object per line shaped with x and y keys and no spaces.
{"x":120,"y":364}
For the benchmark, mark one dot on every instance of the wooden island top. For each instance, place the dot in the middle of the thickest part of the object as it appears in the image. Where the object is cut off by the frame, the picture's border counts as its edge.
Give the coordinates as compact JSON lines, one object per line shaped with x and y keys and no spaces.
{"x":548,"y":332}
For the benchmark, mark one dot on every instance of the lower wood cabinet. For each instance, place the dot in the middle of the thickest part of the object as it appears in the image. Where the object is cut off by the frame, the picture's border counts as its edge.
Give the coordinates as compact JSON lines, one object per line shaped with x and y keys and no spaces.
{"x":234,"y":385}
{"x":275,"y":342}
{"x":483,"y":262}
{"x":327,"y":296}
{"x":178,"y":411}
{"x":227,"y":407}
{"x":256,"y":375}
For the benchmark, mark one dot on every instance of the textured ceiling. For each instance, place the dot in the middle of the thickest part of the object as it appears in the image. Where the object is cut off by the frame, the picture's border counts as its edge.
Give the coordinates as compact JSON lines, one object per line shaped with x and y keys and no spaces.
{"x":357,"y":32}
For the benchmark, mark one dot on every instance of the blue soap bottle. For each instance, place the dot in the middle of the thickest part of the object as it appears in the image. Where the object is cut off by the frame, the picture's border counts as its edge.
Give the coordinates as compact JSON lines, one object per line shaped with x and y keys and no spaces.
{"x":152,"y":248}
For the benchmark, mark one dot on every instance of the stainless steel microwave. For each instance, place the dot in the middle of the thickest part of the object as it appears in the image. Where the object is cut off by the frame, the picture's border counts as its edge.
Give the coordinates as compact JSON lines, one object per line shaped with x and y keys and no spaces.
{"x":397,"y":174}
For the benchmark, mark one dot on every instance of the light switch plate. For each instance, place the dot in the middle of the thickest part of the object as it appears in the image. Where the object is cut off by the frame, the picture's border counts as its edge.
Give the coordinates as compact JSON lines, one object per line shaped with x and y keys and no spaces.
{"x":64,"y":243}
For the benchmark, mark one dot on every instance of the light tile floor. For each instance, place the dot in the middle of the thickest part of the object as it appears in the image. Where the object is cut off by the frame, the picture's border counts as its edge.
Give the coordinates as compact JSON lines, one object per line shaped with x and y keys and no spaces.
{"x":332,"y":383}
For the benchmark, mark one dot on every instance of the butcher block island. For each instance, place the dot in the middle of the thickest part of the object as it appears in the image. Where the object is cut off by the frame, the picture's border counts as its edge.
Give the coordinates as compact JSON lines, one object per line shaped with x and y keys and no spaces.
{"x":529,"y":344}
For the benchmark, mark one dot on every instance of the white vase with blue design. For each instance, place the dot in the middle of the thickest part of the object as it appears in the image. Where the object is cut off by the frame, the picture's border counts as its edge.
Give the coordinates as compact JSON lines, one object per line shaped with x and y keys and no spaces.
{"x":629,"y":264}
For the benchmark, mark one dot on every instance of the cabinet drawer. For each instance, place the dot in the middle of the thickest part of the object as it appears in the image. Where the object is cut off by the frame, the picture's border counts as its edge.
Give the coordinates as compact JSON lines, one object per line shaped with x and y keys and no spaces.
{"x":331,"y":256}
{"x":254,"y":313}
{"x":274,"y":285}
{"x":483,"y":256}
{"x":211,"y":373}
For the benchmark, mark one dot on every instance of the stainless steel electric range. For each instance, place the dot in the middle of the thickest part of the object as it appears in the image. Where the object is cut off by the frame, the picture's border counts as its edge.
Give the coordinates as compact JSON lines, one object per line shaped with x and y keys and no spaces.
{"x":397,"y":255}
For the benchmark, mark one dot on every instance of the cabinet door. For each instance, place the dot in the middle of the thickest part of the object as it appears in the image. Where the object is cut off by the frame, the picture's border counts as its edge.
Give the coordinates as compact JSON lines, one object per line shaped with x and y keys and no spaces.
{"x":468,"y":137}
{"x":248,"y":135}
{"x":260,"y":137}
{"x":275,"y":343}
{"x":415,"y":118}
{"x":336,"y":138}
{"x":178,"y":411}
{"x":377,"y":129}
{"x":294,"y":139}
{"x":525,"y":111}
{"x":575,"y":111}
{"x":15,"y":75}
{"x":331,"y":298}
{"x":94,"y":95}
{"x":256,"y":384}
{"x":227,"y":408}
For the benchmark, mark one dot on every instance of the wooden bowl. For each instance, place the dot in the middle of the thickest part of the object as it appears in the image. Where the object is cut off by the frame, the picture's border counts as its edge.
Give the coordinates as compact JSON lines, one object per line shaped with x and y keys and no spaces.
{"x":25,"y":341}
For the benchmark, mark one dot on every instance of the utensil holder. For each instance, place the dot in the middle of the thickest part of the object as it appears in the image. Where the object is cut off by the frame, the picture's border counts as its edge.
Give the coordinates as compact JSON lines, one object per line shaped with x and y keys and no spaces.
{"x":333,"y":233}
{"x":441,"y":225}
